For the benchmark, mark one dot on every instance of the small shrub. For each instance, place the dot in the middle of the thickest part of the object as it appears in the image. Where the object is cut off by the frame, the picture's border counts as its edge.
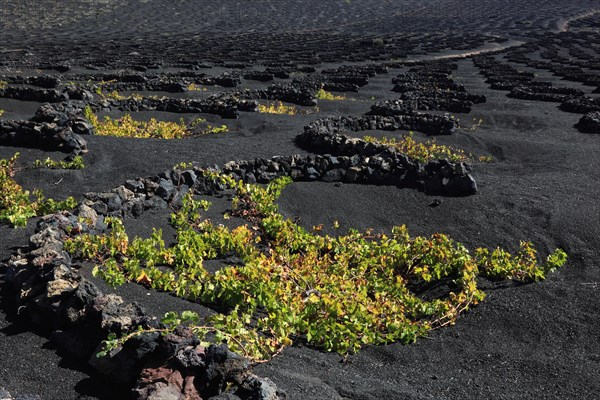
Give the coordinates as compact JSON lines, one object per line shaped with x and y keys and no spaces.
{"x":277,"y":108}
{"x":208,"y":129}
{"x":136,"y":96}
{"x":421,"y":151}
{"x":192,"y":87}
{"x":476,"y":124}
{"x":322,"y":94}
{"x":183,"y":166}
{"x":499,"y":264}
{"x":16,"y":205}
{"x":211,"y":130}
{"x":126,"y":126}
{"x":338,"y":293}
{"x":3,"y":85}
{"x":76,"y":163}
{"x":108,"y":95}
{"x":378,"y":42}
{"x":113,"y":94}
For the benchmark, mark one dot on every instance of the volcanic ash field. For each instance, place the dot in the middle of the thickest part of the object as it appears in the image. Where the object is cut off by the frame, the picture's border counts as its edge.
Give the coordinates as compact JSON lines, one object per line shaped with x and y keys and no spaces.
{"x":299,"y":200}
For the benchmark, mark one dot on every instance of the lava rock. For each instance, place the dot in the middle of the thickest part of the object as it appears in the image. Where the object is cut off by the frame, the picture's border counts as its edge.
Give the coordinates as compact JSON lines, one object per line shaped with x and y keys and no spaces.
{"x":258,"y":388}
{"x":222,"y":367}
{"x":460,"y":186}
{"x":165,"y":189}
{"x":589,"y":123}
{"x":334,"y":175}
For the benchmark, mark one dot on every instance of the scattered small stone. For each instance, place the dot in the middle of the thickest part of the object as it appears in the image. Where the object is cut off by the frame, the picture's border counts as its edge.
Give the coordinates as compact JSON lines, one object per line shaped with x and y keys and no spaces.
{"x":435,"y":203}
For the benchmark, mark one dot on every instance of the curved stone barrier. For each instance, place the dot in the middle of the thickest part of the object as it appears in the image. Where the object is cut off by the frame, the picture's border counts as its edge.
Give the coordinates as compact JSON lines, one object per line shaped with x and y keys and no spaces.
{"x":54,"y":127}
{"x":227,"y":105}
{"x":393,"y":115}
{"x":581,"y":105}
{"x":25,"y":93}
{"x":51,"y":292}
{"x":362,"y":161}
{"x":545,"y":93}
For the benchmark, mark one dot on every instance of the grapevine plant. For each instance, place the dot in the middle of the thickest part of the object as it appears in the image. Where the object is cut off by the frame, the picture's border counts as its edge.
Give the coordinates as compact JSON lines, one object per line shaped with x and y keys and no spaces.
{"x":277,"y":108}
{"x":337,"y":293}
{"x":322,"y":94}
{"x":426,"y":151}
{"x":76,"y":163}
{"x":17,"y":205}
{"x":128,"y":127}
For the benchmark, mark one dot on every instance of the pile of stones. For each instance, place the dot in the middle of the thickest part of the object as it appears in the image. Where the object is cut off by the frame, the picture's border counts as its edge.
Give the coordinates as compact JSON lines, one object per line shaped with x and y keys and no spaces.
{"x":53,"y":127}
{"x":589,"y":123}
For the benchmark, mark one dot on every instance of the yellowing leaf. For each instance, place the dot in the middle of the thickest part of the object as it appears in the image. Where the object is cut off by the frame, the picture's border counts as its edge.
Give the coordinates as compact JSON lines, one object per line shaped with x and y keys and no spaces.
{"x":143,"y":279}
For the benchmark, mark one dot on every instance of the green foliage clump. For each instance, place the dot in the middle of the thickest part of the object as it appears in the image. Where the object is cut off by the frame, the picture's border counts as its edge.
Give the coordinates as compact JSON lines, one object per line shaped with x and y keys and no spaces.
{"x":500,"y":264}
{"x":421,"y":151}
{"x":16,"y":204}
{"x":126,"y":126}
{"x":76,"y":163}
{"x":337,"y":293}
{"x":114,"y":95}
{"x":426,"y":151}
{"x":277,"y":108}
{"x":476,"y":124}
{"x":196,"y":88}
{"x":322,"y":94}
{"x":208,"y":129}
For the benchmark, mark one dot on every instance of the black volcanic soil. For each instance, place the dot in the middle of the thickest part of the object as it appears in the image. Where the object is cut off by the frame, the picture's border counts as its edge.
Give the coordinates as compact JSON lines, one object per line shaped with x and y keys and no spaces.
{"x":535,"y":341}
